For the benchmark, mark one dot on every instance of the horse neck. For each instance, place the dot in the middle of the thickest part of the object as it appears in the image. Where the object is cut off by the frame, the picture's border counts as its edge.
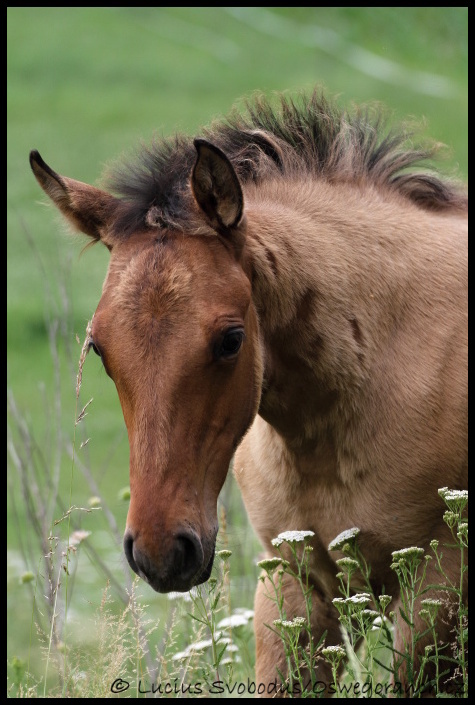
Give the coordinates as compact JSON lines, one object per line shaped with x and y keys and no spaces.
{"x":332,"y":269}
{"x":301,"y":379}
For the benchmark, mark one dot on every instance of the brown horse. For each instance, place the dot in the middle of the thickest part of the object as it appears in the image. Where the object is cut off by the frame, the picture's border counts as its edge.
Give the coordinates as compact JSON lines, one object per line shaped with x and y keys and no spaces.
{"x":290,"y":290}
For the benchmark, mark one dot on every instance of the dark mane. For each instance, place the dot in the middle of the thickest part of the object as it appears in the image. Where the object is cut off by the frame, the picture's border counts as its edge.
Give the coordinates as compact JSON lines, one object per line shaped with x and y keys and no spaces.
{"x":306,"y":136}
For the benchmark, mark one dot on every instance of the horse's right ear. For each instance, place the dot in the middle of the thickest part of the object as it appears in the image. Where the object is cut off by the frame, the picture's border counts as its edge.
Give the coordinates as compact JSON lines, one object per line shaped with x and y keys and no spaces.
{"x":87,"y":208}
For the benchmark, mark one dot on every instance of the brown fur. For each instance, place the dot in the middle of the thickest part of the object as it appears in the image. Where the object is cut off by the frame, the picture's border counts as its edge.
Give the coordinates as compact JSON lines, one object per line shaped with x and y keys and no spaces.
{"x":347,"y":398}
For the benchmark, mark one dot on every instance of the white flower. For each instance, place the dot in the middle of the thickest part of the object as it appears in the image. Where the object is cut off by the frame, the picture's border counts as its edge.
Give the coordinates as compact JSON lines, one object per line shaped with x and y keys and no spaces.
{"x":345,"y":537}
{"x":180,"y":655}
{"x":456,"y":494}
{"x":404,"y":553}
{"x":292,"y":537}
{"x":196,"y":647}
{"x":348,"y":564}
{"x":456,"y":500}
{"x":361,"y":598}
{"x":334,"y":650}
{"x":371,"y":614}
{"x":430,"y":608}
{"x":334,"y":653}
{"x":225,"y":640}
{"x":191,"y":649}
{"x":296,"y":623}
{"x":185,"y":596}
{"x":245,"y":612}
{"x":200,"y":645}
{"x":269,"y":564}
{"x":339,"y":601}
{"x":78,"y":536}
{"x":384,"y":601}
{"x":378,"y":623}
{"x":235,"y":620}
{"x":445,"y":493}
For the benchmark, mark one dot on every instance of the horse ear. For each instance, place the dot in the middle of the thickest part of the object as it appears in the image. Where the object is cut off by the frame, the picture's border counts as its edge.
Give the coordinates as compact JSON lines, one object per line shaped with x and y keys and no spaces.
{"x":216,"y":187}
{"x":86,"y":207}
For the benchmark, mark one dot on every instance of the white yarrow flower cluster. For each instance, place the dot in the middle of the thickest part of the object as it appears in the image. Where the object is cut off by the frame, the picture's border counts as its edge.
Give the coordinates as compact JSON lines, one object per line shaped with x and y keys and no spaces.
{"x":78,"y":536}
{"x":456,"y":495}
{"x":346,"y":536}
{"x":370,"y":615}
{"x":297,"y":623}
{"x":431,"y":602}
{"x":354,"y":604}
{"x":292,"y":537}
{"x":231,"y":647}
{"x":185,"y":596}
{"x":456,"y":500}
{"x":196,"y":647}
{"x":235,"y":620}
{"x":329,"y":650}
{"x":378,"y":622}
{"x":430,"y":609}
{"x":361,"y":598}
{"x":270,"y":564}
{"x":445,"y":493}
{"x":334,"y":654}
{"x":405,"y":553}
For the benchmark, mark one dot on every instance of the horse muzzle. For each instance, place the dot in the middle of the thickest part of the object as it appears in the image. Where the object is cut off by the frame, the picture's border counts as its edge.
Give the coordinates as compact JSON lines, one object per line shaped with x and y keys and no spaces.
{"x":186,"y":562}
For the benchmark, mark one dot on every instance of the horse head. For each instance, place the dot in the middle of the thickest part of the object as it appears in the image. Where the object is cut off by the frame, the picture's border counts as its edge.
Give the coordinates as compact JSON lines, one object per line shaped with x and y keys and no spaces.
{"x":177,"y":332}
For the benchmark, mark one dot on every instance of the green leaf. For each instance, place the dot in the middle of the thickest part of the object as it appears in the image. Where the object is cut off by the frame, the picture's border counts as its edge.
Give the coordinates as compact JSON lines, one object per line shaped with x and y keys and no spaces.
{"x":406,"y":618}
{"x":201,"y":621}
{"x":218,"y":661}
{"x":215,"y":601}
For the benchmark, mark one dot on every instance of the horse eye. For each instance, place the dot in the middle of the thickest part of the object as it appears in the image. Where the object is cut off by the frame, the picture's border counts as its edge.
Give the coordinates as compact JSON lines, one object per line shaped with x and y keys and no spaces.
{"x":231,"y":343}
{"x":93,"y":346}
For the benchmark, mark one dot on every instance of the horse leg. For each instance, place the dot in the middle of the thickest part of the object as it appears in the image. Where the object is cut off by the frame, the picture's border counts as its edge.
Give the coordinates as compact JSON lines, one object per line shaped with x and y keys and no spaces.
{"x":270,"y":655}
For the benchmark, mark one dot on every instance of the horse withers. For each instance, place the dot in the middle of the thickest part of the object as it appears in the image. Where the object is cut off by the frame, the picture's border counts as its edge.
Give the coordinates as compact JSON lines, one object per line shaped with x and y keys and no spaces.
{"x":291,"y":290}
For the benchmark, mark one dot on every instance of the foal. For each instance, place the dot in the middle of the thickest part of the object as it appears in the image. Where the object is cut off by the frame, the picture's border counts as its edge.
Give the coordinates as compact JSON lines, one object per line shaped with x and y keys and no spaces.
{"x":292,"y":291}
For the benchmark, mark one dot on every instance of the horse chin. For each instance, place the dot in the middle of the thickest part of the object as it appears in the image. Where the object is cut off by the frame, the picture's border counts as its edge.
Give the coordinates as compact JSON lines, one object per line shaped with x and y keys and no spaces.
{"x":182,"y":566}
{"x":175,"y":583}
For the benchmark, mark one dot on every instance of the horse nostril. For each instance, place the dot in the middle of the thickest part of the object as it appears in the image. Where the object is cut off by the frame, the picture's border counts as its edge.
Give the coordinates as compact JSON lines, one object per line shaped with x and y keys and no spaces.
{"x":188,"y":556}
{"x":129,"y":550}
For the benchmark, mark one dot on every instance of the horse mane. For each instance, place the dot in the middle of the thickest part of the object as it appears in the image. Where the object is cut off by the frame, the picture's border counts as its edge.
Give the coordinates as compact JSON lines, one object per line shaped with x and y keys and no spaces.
{"x":299,"y":138}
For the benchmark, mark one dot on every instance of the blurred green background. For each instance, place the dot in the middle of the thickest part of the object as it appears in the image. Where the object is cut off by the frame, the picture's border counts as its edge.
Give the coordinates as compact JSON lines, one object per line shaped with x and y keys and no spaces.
{"x":85,"y":85}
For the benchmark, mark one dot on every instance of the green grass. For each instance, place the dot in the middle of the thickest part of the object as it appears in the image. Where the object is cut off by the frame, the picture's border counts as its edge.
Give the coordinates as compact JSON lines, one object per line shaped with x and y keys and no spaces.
{"x":86,"y":84}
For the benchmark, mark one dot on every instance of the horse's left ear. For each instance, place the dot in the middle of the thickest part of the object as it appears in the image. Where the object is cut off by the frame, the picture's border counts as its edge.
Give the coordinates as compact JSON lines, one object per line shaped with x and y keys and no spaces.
{"x":216,"y":187}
